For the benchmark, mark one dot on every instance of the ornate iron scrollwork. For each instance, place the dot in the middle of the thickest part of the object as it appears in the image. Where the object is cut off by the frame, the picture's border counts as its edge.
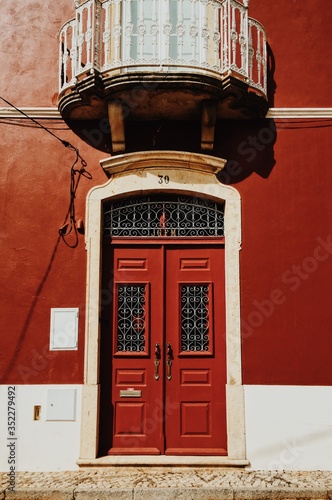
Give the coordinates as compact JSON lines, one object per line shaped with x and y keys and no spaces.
{"x":176,"y":216}
{"x":194,"y":318}
{"x":131,"y":318}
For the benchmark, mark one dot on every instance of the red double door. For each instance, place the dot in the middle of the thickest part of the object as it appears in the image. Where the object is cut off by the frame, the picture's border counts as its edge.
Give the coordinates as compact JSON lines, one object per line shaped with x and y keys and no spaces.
{"x":168,"y":350}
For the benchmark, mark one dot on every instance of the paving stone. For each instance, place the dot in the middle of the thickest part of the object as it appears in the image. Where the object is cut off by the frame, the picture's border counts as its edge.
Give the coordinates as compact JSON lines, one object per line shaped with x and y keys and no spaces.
{"x":39,"y":494}
{"x":279,"y":494}
{"x":183,"y":494}
{"x":115,"y":494}
{"x":168,"y":483}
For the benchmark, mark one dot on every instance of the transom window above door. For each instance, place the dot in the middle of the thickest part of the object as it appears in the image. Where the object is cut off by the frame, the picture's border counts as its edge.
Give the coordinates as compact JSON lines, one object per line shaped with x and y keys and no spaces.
{"x":164,"y":216}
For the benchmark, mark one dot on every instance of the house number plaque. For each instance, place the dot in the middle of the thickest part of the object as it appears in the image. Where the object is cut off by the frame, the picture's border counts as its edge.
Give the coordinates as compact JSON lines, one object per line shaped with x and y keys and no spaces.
{"x":163,"y":179}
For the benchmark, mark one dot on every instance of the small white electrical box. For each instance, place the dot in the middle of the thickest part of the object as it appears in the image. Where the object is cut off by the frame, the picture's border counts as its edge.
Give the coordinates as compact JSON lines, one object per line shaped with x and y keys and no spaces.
{"x":61,"y":404}
{"x":64,"y":329}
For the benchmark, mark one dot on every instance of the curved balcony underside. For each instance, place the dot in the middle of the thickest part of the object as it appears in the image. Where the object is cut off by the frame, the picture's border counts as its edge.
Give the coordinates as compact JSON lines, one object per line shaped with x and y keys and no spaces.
{"x":152,"y":96}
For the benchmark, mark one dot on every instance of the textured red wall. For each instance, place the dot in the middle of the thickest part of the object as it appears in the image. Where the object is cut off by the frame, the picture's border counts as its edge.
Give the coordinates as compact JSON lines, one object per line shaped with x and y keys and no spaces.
{"x":299,"y":34}
{"x":286,"y":261}
{"x":38,"y":270}
{"x":29,"y":56}
{"x":284,"y":180}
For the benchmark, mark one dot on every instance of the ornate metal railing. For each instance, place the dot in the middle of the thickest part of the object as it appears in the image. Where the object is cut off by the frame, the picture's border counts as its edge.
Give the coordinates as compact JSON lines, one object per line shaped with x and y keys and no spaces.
{"x":205,"y":36}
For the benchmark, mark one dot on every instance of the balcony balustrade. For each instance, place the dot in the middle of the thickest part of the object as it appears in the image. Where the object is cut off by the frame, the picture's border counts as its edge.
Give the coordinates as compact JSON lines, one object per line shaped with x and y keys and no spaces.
{"x":184,"y":51}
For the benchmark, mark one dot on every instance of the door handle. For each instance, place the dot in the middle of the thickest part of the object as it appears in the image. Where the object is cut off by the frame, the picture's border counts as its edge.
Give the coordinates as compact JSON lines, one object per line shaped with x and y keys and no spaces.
{"x":169,"y":357}
{"x":156,"y":361}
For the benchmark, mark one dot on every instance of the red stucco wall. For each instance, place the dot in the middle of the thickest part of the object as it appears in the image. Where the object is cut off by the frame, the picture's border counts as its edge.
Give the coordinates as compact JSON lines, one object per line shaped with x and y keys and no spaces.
{"x":287,"y":257}
{"x":29,"y":50}
{"x":298,"y":33}
{"x":284,"y":179}
{"x":38,"y":270}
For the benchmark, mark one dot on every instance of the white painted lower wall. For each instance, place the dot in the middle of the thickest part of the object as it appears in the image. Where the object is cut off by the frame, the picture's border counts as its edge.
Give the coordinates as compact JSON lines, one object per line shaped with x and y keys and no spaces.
{"x":289,"y":427}
{"x":51,"y":443}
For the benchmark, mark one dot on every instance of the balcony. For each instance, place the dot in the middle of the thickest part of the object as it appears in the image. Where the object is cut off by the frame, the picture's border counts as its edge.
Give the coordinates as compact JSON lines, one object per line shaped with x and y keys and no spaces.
{"x":162,"y":59}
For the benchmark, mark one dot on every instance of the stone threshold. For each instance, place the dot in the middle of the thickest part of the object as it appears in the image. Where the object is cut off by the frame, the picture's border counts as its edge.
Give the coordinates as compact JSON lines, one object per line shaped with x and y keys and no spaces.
{"x":162,"y":460}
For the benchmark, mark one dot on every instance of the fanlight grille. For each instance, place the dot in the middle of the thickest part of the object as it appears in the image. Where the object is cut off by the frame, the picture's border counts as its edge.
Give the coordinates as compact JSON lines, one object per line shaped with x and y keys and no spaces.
{"x":172,"y":216}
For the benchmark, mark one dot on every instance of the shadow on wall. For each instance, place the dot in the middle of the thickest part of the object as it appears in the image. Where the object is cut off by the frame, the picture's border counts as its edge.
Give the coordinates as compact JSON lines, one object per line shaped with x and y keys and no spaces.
{"x":11,"y":368}
{"x":249,"y":143}
{"x":271,"y":84}
{"x":247,"y":146}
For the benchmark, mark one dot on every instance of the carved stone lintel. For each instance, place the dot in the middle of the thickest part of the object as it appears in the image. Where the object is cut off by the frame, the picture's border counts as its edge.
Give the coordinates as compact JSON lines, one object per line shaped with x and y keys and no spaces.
{"x":115,"y":116}
{"x":209,"y":115}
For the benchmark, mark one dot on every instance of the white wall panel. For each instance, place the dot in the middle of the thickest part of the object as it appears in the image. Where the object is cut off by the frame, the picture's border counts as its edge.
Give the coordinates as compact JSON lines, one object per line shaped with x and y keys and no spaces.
{"x":289,"y":427}
{"x":64,"y":329}
{"x":41,"y":445}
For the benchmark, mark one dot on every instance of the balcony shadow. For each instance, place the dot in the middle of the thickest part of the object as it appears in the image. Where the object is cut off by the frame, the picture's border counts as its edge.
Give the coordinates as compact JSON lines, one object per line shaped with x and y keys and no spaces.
{"x":247,"y":146}
{"x":271,"y":83}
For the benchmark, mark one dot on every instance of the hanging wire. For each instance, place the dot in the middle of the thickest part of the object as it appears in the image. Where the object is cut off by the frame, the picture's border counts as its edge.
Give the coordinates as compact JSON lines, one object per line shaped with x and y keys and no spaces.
{"x":17,"y":122}
{"x":65,"y":143}
{"x":69,"y":225}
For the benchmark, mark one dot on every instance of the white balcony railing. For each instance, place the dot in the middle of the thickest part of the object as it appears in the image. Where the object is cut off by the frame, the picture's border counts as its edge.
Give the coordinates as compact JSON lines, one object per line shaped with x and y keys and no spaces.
{"x":210,"y":37}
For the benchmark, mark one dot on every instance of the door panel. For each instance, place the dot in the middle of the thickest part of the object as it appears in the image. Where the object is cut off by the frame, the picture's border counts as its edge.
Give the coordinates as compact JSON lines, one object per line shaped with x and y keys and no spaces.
{"x":195,"y":328}
{"x":168,"y":366}
{"x":137,"y":325}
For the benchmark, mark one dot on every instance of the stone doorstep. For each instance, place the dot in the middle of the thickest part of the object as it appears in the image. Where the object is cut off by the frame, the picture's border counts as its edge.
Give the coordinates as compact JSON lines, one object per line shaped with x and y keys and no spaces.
{"x":161,"y":461}
{"x":85,"y":492}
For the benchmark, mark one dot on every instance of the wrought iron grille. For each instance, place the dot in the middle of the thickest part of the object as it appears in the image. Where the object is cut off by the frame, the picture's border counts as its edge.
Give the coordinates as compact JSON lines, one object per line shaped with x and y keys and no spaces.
{"x":194,"y":318}
{"x":175,"y":216}
{"x":131,"y":318}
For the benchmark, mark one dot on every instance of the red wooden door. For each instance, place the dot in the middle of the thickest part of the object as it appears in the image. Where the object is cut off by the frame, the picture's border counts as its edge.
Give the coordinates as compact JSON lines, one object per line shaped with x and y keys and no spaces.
{"x":137,"y":382}
{"x":169,"y":366}
{"x":195,"y":335}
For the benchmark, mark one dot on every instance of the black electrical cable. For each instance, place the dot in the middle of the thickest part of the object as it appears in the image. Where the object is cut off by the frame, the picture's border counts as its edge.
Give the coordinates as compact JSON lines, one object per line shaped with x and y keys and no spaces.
{"x":17,"y":122}
{"x":69,"y":224}
{"x":65,"y":143}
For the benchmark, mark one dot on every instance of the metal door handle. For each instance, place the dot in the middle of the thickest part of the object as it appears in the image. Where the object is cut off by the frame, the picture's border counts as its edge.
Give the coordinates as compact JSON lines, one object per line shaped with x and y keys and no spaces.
{"x":169,"y":357}
{"x":156,"y":361}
